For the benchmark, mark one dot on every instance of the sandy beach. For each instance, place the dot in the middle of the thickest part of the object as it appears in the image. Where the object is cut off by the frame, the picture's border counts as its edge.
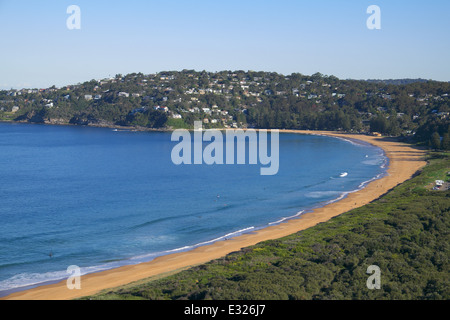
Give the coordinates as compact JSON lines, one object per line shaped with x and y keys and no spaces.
{"x":404,"y":162}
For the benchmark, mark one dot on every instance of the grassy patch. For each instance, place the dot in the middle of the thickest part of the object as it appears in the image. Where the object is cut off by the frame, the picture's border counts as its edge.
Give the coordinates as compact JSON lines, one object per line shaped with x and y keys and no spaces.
{"x":439,"y":171}
{"x":7,"y":116}
{"x":176,"y":123}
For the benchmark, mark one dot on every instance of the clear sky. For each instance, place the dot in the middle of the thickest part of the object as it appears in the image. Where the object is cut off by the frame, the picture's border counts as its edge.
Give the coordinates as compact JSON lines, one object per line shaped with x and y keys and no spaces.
{"x":328,"y":36}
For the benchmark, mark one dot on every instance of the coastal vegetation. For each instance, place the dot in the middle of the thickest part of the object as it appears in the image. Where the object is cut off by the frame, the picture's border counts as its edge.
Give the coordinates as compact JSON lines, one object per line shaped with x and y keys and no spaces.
{"x":417,"y":110}
{"x":405,"y":233}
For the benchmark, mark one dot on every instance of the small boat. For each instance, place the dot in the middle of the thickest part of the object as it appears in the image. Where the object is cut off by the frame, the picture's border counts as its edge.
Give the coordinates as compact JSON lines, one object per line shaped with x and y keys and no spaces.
{"x":343,"y":174}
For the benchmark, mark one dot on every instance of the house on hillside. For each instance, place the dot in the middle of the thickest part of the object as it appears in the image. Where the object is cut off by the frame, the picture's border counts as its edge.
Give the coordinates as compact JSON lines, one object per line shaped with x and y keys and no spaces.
{"x":160,"y":108}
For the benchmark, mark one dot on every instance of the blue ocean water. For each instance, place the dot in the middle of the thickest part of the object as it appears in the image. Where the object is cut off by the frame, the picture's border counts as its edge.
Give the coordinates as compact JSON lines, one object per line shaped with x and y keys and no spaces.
{"x":99,"y":198}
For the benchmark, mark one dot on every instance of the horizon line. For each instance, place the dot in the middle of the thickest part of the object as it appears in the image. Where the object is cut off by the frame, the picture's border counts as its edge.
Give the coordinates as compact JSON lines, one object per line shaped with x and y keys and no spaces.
{"x":19,"y":87}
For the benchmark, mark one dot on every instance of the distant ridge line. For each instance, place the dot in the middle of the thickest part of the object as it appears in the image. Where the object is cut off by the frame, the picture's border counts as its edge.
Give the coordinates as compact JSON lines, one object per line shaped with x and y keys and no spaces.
{"x":398,"y":81}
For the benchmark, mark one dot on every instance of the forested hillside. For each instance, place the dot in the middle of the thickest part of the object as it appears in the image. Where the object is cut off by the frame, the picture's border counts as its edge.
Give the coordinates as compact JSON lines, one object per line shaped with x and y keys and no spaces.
{"x":416,"y":109}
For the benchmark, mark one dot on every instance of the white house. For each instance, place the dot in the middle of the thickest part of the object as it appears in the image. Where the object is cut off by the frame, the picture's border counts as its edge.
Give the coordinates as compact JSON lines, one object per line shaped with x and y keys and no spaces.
{"x":165,"y":109}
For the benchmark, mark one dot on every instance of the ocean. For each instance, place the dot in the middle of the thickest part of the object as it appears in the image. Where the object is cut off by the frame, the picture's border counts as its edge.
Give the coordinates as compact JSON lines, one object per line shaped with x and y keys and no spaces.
{"x":99,"y":198}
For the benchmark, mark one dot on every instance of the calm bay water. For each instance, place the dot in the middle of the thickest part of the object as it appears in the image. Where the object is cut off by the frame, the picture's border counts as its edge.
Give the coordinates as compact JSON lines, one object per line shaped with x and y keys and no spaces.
{"x":99,"y":199}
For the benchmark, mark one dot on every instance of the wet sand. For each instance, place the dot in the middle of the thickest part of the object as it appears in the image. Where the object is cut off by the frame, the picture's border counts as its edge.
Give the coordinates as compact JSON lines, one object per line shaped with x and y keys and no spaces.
{"x":404,"y":162}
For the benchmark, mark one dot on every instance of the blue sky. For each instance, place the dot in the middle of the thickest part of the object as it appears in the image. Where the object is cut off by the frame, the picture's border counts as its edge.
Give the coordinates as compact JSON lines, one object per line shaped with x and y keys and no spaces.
{"x":285,"y":36}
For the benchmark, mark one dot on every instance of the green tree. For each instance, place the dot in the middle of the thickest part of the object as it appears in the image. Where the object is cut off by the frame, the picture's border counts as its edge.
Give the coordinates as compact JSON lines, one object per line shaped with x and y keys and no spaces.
{"x":379,"y":124}
{"x":445,"y":143}
{"x":435,"y":141}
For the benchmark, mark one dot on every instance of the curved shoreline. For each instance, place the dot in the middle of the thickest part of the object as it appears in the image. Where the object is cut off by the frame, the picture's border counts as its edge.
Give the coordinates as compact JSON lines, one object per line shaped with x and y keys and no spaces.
{"x":404,"y":162}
